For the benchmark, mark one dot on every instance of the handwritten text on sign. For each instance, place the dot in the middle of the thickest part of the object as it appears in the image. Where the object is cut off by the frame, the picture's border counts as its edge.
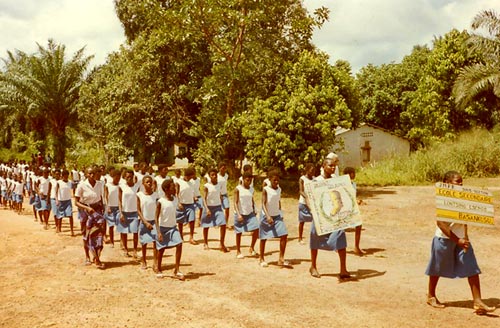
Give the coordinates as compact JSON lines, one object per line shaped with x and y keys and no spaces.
{"x":466,"y":205}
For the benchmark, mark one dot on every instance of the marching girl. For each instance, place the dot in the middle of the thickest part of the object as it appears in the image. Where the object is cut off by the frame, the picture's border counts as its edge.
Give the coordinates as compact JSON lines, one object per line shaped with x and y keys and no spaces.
{"x":333,"y":241}
{"x":271,"y":223}
{"x":213,"y":216}
{"x":55,"y":176}
{"x":198,"y":200}
{"x":452,"y":256}
{"x":167,"y":234}
{"x":245,"y":219}
{"x":304,"y":213}
{"x":112,"y":214}
{"x":158,"y":180}
{"x":247,"y":168}
{"x":129,"y":218}
{"x":88,"y":199}
{"x":222,"y":178}
{"x":63,"y":208}
{"x":43,"y":188}
{"x":186,"y":207}
{"x":146,"y":208}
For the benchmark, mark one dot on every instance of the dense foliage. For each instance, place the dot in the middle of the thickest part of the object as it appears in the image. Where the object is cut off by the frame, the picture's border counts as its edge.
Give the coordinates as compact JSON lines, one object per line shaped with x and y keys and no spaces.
{"x":235,"y":79}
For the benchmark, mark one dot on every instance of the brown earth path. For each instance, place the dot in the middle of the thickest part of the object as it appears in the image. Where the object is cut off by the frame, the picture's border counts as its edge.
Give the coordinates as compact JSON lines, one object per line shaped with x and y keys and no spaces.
{"x":43,"y":282}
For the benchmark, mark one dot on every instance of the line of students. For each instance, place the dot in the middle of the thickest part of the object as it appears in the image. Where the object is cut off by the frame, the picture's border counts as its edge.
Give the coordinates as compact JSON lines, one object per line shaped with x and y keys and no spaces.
{"x":155,"y":210}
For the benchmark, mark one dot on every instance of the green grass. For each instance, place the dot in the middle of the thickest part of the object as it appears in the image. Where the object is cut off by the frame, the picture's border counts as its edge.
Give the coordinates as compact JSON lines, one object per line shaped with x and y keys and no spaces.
{"x":475,"y":154}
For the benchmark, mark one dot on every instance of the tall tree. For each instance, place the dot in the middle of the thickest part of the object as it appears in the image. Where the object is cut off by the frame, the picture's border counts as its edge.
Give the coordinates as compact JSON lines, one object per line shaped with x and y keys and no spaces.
{"x":482,"y":77}
{"x":45,"y":87}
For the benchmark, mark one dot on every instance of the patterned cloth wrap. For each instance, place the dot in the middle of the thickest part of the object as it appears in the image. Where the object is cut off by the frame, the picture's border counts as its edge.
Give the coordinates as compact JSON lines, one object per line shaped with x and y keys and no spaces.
{"x":94,"y":228}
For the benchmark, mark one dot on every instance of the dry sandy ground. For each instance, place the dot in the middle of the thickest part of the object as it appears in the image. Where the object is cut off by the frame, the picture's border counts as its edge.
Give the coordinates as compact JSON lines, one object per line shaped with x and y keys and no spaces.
{"x":43,"y":282}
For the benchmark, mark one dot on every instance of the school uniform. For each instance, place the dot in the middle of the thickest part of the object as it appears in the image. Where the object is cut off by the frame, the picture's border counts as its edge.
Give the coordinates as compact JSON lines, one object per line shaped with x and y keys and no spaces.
{"x":214,"y":204}
{"x":246,"y":209}
{"x":198,"y":203}
{"x":278,"y":228}
{"x":75,"y":177}
{"x":63,"y":196}
{"x":91,"y":196}
{"x":18,"y":190}
{"x":159,"y":181}
{"x":148,"y":209}
{"x":43,"y":187}
{"x":167,"y":224}
{"x":186,"y":198}
{"x":304,"y":212}
{"x":129,"y":210}
{"x":450,"y":260}
{"x":222,"y":181}
{"x":330,"y":242}
{"x":112,"y":213}
{"x":53,"y":207}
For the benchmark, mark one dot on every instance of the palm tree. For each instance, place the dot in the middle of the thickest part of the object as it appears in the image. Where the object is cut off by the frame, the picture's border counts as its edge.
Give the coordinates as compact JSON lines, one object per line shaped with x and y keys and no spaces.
{"x":484,"y":76}
{"x":45,"y":86}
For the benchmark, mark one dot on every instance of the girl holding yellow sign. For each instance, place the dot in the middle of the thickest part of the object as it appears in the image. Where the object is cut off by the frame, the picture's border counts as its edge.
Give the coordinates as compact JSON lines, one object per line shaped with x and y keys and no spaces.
{"x":452,"y":256}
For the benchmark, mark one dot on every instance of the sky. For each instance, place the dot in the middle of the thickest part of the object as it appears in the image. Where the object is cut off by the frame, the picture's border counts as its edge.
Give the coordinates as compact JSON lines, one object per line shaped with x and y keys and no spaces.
{"x":359,"y":31}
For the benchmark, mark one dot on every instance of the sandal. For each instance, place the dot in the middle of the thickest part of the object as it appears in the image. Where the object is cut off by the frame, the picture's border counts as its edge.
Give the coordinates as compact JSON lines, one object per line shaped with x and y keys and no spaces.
{"x":179,"y":275}
{"x":87,"y":262}
{"x":240,"y":256}
{"x":434,"y":302}
{"x":100,"y":266}
{"x":159,"y":275}
{"x":263,"y":264}
{"x":314,"y":273}
{"x":285,"y":264}
{"x":481,"y":308}
{"x":344,"y":276}
{"x":224,"y":249}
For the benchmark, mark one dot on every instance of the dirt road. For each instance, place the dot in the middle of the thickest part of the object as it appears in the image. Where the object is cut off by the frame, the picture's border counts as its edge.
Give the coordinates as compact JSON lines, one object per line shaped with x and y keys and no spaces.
{"x":44,"y":283}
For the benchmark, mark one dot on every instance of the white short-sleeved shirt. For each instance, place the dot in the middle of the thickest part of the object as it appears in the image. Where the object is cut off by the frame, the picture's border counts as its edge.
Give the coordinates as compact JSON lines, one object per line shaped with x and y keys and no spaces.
{"x":88,"y":195}
{"x":75,"y":175}
{"x":196,"y":186}
{"x":222,"y":181}
{"x":64,"y":191}
{"x":273,"y":200}
{"x":43,"y":185}
{"x":186,"y":192}
{"x":148,"y":205}
{"x":251,"y":184}
{"x":245,"y":198}
{"x":159,"y":181}
{"x":129,"y":198}
{"x":167,"y":212}
{"x":306,"y":180}
{"x":213,"y":194}
{"x":53,"y":183}
{"x":18,"y":187}
{"x":112,"y":194}
{"x":457,"y":228}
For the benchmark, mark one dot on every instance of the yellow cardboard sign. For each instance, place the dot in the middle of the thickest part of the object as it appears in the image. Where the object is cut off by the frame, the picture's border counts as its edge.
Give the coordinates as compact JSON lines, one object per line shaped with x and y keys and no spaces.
{"x":466,"y":205}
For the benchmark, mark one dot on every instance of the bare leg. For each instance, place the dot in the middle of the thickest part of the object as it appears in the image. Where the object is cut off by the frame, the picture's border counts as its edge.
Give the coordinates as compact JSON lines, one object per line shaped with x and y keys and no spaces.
{"x":144,"y":251}
{"x":357,"y":238}
{"x":112,"y":236}
{"x":123,"y":238}
{"x":180,"y":227}
{"x":222,"y":239}
{"x":343,"y":267}
{"x":313,"y":270}
{"x":301,"y":232}
{"x":178,"y":255}
{"x":205,"y":238}
{"x":238,"y":243}
{"x":191,"y":233}
{"x":262,"y":251}
{"x":159,"y":259}
{"x":475,"y":287}
{"x":136,"y":242}
{"x":283,"y":241}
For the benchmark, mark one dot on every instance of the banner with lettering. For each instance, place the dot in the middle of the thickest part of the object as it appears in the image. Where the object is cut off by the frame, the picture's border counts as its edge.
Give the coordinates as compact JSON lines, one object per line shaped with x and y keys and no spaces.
{"x":333,"y":204}
{"x":466,"y":205}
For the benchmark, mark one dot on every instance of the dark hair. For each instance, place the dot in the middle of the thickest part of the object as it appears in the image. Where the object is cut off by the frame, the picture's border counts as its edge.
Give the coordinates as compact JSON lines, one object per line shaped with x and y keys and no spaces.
{"x":308,"y":166}
{"x":247,"y":175}
{"x":65,"y":172}
{"x":247,"y":167}
{"x":189,"y":171}
{"x":166,"y":184}
{"x":162,"y":166}
{"x":147,"y":177}
{"x":349,"y":170}
{"x":128,"y":171}
{"x":221,"y":164}
{"x":213,"y":169}
{"x":448,"y":176}
{"x":273,"y":173}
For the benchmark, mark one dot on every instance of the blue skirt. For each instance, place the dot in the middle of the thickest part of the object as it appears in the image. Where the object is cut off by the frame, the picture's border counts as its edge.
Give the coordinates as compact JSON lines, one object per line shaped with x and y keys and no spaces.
{"x":225,"y":201}
{"x":450,"y":261}
{"x":171,"y":238}
{"x":113,"y":217}
{"x":330,"y":242}
{"x":304,"y":213}
{"x":53,"y":206}
{"x":277,"y":229}
{"x":131,"y":224}
{"x":199,"y":203}
{"x":19,"y":198}
{"x":216,"y":219}
{"x":147,"y":236}
{"x":44,"y":204}
{"x":186,"y":215}
{"x":250,"y":223}
{"x":65,"y":209}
